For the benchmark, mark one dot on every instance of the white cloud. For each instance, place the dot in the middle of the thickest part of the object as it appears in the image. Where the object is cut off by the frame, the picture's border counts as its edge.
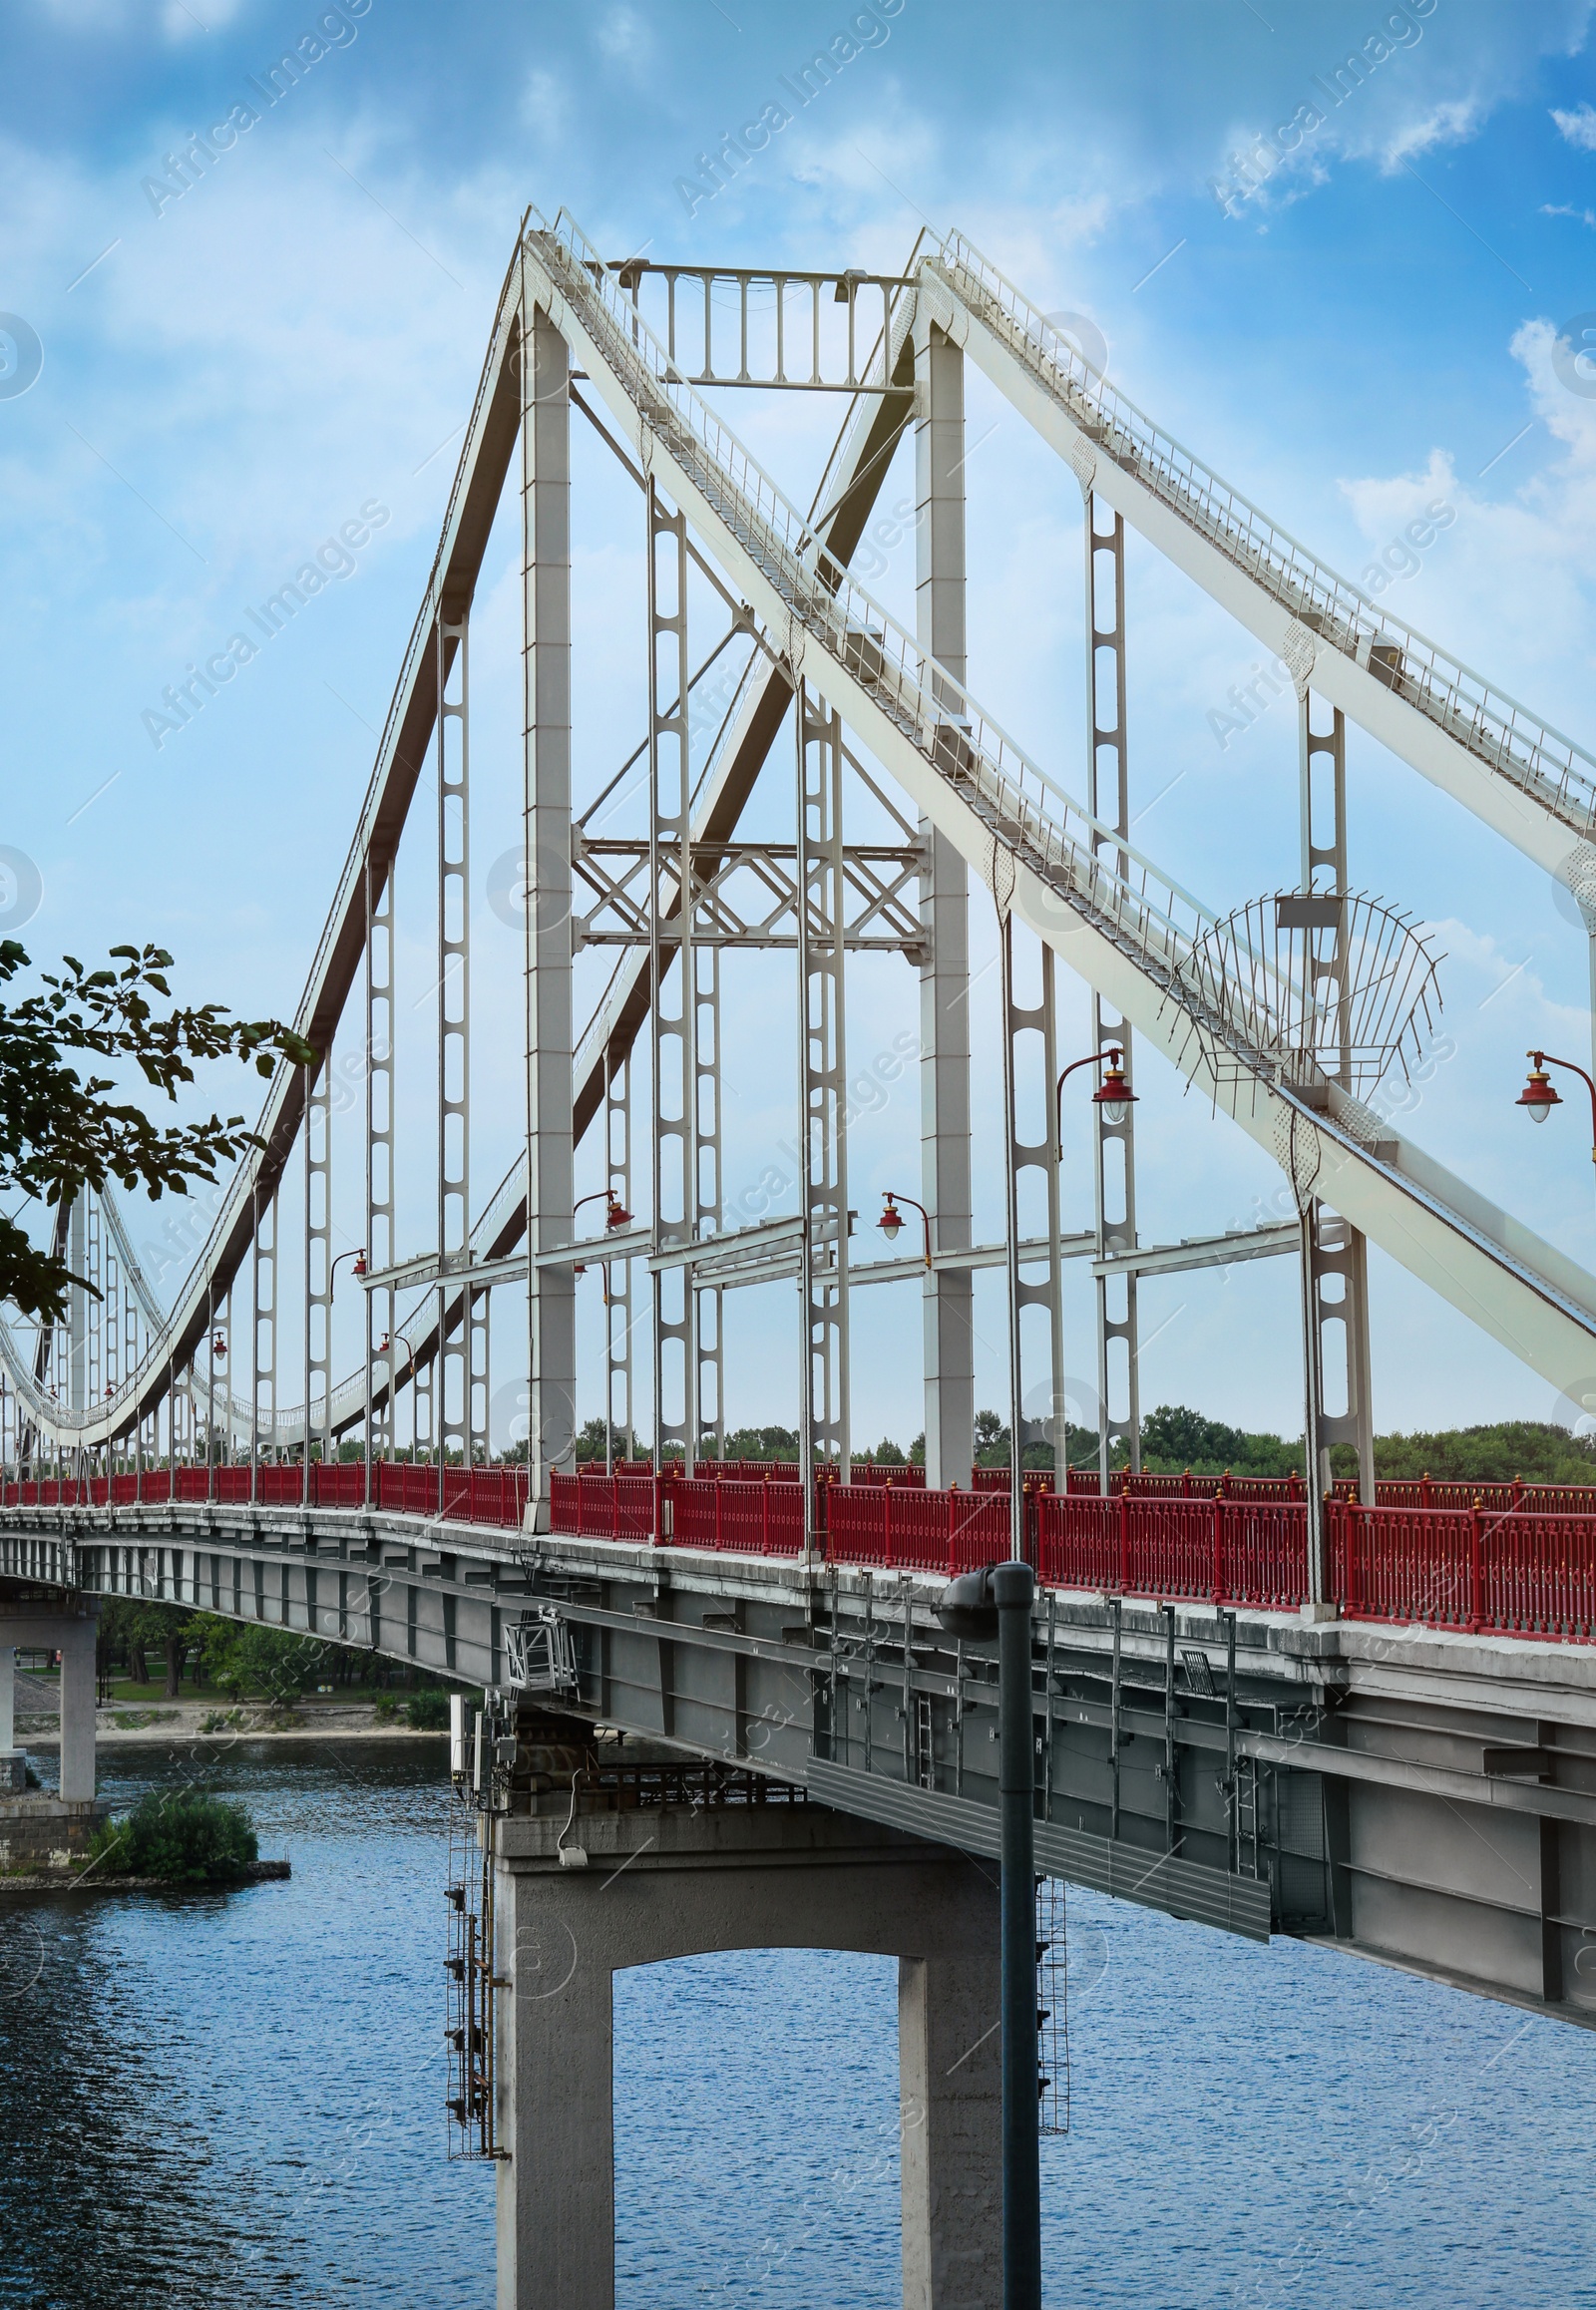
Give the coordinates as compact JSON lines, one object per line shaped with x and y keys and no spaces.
{"x":1511,"y":585}
{"x":1580,"y":215}
{"x":1577,"y":127}
{"x":1445,"y":124}
{"x":625,"y":39}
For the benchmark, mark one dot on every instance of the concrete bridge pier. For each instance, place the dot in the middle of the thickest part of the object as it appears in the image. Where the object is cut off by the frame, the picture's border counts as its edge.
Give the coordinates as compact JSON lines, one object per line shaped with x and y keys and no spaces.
{"x":676,"y":1881}
{"x":38,"y":1830}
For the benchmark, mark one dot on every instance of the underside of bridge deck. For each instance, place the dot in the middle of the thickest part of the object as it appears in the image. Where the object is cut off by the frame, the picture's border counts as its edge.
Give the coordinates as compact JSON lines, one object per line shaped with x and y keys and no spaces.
{"x":1420,"y":1796}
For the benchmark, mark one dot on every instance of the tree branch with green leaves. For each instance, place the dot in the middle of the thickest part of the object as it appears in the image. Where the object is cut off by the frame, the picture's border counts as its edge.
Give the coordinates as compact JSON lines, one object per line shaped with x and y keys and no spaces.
{"x":58,"y":1131}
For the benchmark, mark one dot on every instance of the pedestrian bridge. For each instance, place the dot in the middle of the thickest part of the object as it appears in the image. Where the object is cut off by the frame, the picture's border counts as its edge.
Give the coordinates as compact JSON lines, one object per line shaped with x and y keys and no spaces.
{"x":1413,"y":1780}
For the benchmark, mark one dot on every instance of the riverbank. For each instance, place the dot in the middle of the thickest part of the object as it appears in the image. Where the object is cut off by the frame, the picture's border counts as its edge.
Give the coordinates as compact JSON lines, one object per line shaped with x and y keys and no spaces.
{"x":207,"y":1723}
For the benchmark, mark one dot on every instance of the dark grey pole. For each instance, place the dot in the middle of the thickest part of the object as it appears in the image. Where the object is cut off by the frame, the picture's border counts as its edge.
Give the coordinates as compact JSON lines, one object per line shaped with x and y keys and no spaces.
{"x":1014,"y":1585}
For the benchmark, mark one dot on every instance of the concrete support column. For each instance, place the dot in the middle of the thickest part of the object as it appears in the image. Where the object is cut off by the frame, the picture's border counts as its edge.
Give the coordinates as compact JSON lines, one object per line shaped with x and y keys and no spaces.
{"x":77,"y":1711}
{"x":674,"y":1882}
{"x":950,"y":2085}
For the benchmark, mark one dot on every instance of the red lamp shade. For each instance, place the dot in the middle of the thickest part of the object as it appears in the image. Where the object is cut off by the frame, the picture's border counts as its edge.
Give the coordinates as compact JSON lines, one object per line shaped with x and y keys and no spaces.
{"x":890,"y":1221}
{"x":1113,"y":1094}
{"x":360,"y":1261}
{"x":618,"y":1215}
{"x":218,"y":1349}
{"x":1538,"y":1096}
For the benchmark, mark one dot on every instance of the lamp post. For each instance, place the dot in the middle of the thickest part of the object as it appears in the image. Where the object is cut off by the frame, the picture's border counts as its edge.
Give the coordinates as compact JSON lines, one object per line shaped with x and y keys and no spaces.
{"x":890,"y":1221}
{"x":1113,"y":1094}
{"x":1539,"y":1096}
{"x":382,"y":1349}
{"x":1114,"y":1097}
{"x":616,"y":1215}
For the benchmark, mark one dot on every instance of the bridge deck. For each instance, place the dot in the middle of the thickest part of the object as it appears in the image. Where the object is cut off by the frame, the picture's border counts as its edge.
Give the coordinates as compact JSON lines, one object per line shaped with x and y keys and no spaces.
{"x":1426,"y":1796}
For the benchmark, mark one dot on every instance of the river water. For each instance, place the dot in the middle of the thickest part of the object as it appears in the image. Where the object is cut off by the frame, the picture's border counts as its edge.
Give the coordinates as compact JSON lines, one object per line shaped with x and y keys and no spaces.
{"x":224,"y":2101}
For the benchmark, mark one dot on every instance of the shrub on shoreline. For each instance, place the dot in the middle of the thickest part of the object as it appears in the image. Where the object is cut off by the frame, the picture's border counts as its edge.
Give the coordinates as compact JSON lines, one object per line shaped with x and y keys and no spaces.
{"x":185,"y":1838}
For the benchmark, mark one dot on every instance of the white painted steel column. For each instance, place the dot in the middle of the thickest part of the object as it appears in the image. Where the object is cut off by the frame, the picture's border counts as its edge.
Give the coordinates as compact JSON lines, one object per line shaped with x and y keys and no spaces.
{"x":1334,"y":1253}
{"x":1108,"y":799}
{"x":457,"y":1422}
{"x":8,"y":1699}
{"x":618,"y":1294}
{"x":950,"y":1381}
{"x":675,"y":1038}
{"x":381,"y":1430}
{"x":319,"y":1261}
{"x":823,"y":1082}
{"x":545,"y":597}
{"x":78,"y":1302}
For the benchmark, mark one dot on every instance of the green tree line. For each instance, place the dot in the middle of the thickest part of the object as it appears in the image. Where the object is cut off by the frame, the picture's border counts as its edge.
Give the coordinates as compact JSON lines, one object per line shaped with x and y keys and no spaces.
{"x":1175,"y":1438}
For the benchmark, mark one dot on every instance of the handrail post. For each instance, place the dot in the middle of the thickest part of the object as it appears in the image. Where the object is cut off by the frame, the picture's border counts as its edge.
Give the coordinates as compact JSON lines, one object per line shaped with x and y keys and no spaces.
{"x":1124,"y":1543}
{"x":1475,"y":1568}
{"x":1219,"y":1548}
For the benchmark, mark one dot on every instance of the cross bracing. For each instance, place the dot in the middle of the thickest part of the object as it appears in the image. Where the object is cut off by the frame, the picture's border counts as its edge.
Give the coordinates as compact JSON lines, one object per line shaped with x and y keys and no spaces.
{"x":890,"y":711}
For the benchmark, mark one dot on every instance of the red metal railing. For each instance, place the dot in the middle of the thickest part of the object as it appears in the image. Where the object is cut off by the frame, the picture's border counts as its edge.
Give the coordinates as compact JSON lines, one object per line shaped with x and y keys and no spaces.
{"x":1518,"y":1559}
{"x":761,"y":1517}
{"x":914,"y":1530}
{"x":1083,"y":1482}
{"x":745,"y":1471}
{"x":605,"y":1507}
{"x":1218,"y":1550}
{"x":1523,"y":1571}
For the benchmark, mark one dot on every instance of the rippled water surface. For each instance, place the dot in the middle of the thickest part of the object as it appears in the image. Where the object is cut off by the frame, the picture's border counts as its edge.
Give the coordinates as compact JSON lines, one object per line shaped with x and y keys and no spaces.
{"x":236,"y":2100}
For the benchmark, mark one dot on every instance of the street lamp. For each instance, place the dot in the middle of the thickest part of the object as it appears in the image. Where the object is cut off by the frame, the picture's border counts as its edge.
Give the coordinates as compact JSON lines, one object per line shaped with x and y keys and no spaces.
{"x":891,"y":1219}
{"x":384,"y":1347}
{"x":1113,"y":1094}
{"x":359,"y":1269}
{"x":616,"y":1215}
{"x":1539,"y":1096}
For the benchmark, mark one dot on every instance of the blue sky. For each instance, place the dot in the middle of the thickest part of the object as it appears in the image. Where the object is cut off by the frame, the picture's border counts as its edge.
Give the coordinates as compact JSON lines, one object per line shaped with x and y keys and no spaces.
{"x":232,"y":372}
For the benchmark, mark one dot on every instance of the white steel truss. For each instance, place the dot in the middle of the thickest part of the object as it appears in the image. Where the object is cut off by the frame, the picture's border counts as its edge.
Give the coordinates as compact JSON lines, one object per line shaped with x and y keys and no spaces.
{"x":819,"y":647}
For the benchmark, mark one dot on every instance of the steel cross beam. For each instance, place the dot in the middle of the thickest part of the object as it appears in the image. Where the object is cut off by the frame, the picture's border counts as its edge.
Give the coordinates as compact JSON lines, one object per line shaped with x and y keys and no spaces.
{"x":745,"y":894}
{"x":788,"y":330}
